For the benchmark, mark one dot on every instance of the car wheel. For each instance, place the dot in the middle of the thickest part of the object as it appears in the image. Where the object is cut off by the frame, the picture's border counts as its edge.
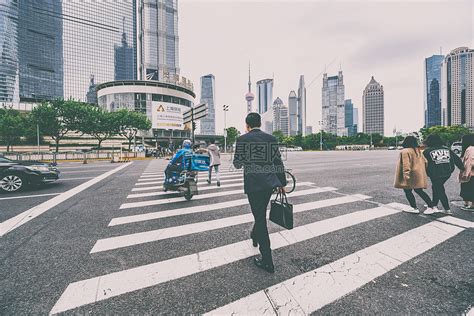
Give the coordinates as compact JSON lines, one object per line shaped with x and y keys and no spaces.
{"x":11,"y":183}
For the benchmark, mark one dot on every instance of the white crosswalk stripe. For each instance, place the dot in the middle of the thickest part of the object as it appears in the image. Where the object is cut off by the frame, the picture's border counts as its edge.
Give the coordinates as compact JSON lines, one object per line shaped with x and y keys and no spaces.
{"x":160,"y":234}
{"x":304,"y":293}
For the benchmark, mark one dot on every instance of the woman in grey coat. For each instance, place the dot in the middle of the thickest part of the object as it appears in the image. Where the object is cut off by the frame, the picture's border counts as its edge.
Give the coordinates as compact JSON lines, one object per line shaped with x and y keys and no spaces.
{"x":215,"y":162}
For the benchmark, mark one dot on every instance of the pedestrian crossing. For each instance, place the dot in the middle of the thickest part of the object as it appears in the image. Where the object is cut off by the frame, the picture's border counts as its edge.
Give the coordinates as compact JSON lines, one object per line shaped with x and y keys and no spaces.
{"x":217,"y":209}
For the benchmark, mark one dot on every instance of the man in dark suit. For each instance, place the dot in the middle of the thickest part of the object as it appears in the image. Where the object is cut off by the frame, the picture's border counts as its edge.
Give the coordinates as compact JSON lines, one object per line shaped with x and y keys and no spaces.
{"x":257,"y":152}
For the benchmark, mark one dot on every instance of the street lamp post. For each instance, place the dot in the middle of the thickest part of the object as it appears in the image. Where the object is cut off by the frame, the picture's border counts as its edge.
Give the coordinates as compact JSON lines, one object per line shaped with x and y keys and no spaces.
{"x":321,"y":123}
{"x":371,"y":141}
{"x":225,"y":108}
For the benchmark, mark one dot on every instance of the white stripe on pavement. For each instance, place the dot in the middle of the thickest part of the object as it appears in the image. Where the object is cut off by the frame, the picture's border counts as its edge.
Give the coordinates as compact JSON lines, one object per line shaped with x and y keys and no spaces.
{"x":239,"y":176}
{"x":200,"y":183}
{"x":110,"y":285}
{"x":309,"y":292}
{"x":15,"y":222}
{"x":183,"y":230}
{"x":28,"y":196}
{"x":85,"y":170}
{"x":180,"y":199}
{"x":203,"y":173}
{"x":69,"y":179}
{"x":201,"y":208}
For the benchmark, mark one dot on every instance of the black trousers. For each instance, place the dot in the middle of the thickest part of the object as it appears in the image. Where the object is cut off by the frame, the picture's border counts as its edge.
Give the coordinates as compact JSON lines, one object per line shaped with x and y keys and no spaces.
{"x":421,"y":193}
{"x":258,"y":203}
{"x":439,"y":194}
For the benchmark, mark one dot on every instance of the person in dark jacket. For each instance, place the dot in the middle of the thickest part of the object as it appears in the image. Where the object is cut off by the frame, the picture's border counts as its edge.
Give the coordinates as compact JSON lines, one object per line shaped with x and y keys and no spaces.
{"x":441,"y":162}
{"x":258,"y":153}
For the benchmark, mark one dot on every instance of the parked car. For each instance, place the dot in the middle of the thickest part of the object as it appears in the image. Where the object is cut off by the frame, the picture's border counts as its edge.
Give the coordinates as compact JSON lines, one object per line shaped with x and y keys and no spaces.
{"x":15,"y":175}
{"x":392,"y":147}
{"x":456,"y":147}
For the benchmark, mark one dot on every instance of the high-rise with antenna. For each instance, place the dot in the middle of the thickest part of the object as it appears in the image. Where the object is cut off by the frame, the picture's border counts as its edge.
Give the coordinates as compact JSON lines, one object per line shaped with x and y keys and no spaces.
{"x":249,"y":96}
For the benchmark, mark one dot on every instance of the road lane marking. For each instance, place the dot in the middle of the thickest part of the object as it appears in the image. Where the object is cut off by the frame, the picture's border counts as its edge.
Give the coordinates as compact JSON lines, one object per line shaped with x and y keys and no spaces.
{"x":84,"y":166}
{"x":84,"y":171}
{"x":16,"y":221}
{"x":158,"y":182}
{"x":309,"y":292}
{"x":200,"y":183}
{"x":81,"y":178}
{"x":205,"y":174}
{"x":117,"y":283}
{"x":28,"y":196}
{"x":201,"y":208}
{"x":204,"y":187}
{"x":179,"y":199}
{"x":199,"y":227}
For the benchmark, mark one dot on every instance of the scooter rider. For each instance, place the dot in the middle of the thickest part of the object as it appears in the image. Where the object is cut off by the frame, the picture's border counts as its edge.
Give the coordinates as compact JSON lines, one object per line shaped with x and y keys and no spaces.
{"x":177,"y":163}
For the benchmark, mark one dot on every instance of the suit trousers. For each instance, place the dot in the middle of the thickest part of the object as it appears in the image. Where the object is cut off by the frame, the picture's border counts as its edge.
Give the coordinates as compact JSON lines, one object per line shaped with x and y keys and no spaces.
{"x":258,"y":203}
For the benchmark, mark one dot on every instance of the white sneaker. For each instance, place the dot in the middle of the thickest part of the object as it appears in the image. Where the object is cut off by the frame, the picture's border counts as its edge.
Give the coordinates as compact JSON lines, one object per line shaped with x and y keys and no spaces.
{"x":448,"y":212}
{"x":412,"y":210}
{"x":429,"y":211}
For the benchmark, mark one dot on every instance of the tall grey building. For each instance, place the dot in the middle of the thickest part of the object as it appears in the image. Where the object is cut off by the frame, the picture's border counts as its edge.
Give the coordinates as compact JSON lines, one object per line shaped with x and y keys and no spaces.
{"x":302,"y":107}
{"x":457,"y":85}
{"x":9,"y":51}
{"x":373,"y":108}
{"x":293,"y":113}
{"x":40,"y":50}
{"x":280,"y":117}
{"x":349,"y":117}
{"x":333,"y":111}
{"x":125,"y":63}
{"x":264,"y":95}
{"x":208,"y":96}
{"x":432,"y":90}
{"x":158,"y":48}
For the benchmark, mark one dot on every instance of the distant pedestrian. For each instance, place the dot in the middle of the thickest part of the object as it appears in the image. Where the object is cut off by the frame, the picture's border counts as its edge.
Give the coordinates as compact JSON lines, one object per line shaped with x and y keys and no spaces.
{"x":411,"y":174}
{"x":466,"y":177}
{"x":215,"y":161}
{"x":258,"y":153}
{"x":441,"y":164}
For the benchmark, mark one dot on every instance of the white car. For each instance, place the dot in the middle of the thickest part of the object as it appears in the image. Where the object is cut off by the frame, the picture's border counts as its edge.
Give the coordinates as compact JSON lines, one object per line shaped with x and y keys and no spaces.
{"x":456,"y":147}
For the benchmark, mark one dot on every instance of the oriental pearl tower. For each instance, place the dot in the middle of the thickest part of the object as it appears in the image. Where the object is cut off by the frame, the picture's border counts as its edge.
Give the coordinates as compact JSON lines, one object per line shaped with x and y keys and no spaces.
{"x":249,"y":96}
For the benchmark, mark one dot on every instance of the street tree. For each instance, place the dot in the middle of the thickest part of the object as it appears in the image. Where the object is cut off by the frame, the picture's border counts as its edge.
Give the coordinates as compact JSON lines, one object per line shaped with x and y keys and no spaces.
{"x":448,"y":134}
{"x":279,"y":136}
{"x":57,"y":118}
{"x":99,"y":124}
{"x":12,"y":126}
{"x":129,"y":123}
{"x":232,"y":134}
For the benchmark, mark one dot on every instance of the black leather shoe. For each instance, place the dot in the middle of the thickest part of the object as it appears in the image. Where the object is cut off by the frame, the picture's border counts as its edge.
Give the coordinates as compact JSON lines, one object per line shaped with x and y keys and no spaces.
{"x":270,"y":268}
{"x":254,"y":241}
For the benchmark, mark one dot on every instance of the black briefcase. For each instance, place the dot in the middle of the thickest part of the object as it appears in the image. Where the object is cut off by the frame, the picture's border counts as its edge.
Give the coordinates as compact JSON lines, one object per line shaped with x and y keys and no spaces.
{"x":281,"y":212}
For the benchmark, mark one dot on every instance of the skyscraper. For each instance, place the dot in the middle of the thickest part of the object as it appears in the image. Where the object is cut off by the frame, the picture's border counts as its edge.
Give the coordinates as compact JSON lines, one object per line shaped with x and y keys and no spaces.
{"x":333,"y":105}
{"x":9,"y":51}
{"x":40,"y":50}
{"x":350,"y":114}
{"x":373,"y":108}
{"x":125,"y":63}
{"x":158,"y":39}
{"x":432,"y":90}
{"x":302,"y":107}
{"x":91,"y":32}
{"x":293,"y":113}
{"x":280,"y":116}
{"x":457,"y":84}
{"x":264,"y":95}
{"x":208,"y":95}
{"x":249,"y":96}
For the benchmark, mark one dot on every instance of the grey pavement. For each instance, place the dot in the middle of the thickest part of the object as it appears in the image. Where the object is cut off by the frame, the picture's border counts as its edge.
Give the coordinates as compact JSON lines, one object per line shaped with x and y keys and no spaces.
{"x":192,"y":257}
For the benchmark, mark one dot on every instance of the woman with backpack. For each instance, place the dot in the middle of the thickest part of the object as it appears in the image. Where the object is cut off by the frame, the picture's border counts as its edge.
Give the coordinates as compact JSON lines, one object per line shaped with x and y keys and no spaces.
{"x":466,"y":177}
{"x":411,"y":174}
{"x":441,"y":162}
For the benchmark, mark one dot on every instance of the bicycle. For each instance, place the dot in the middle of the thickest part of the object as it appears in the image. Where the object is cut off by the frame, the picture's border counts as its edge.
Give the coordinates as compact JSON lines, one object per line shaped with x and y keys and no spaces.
{"x":290,"y":181}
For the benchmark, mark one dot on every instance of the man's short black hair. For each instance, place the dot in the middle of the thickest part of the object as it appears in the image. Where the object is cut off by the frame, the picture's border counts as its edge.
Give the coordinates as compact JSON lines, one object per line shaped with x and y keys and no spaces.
{"x":212,"y":141}
{"x":253,"y":120}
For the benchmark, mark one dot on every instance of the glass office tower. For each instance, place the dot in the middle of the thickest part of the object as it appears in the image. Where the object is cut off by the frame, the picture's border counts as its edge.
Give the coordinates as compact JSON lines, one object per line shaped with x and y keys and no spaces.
{"x":91,"y":33}
{"x":40,"y":50}
{"x":208,"y":96}
{"x":8,"y":51}
{"x":158,"y":39}
{"x":432,"y":90}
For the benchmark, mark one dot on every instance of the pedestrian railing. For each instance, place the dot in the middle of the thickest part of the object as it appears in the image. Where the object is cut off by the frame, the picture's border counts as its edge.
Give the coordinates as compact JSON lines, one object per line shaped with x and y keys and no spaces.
{"x":71,"y":155}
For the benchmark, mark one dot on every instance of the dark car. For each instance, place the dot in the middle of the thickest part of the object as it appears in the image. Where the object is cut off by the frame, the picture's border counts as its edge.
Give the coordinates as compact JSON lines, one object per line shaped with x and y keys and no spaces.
{"x":15,"y":175}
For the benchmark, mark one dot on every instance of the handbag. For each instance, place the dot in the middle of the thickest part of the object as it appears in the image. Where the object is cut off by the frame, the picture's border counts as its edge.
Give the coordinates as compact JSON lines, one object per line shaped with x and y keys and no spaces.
{"x":281,"y":212}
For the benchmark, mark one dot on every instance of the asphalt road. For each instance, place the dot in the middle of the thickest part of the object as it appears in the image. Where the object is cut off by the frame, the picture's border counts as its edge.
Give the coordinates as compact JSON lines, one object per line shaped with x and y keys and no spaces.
{"x":111,"y":246}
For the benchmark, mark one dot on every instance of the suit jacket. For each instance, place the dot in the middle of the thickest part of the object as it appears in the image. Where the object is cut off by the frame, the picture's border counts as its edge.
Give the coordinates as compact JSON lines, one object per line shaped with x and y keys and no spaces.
{"x":258,"y":153}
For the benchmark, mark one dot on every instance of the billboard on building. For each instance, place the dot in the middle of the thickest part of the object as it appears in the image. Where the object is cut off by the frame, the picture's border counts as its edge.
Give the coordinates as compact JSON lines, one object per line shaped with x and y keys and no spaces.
{"x":167,"y":115}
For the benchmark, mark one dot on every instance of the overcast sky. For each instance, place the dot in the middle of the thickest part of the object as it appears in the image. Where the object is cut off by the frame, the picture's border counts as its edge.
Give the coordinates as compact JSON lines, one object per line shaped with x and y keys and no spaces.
{"x":385,"y":39}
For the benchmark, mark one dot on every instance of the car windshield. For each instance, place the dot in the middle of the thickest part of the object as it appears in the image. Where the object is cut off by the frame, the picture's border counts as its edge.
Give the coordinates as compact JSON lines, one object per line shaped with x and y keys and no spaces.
{"x":3,"y":159}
